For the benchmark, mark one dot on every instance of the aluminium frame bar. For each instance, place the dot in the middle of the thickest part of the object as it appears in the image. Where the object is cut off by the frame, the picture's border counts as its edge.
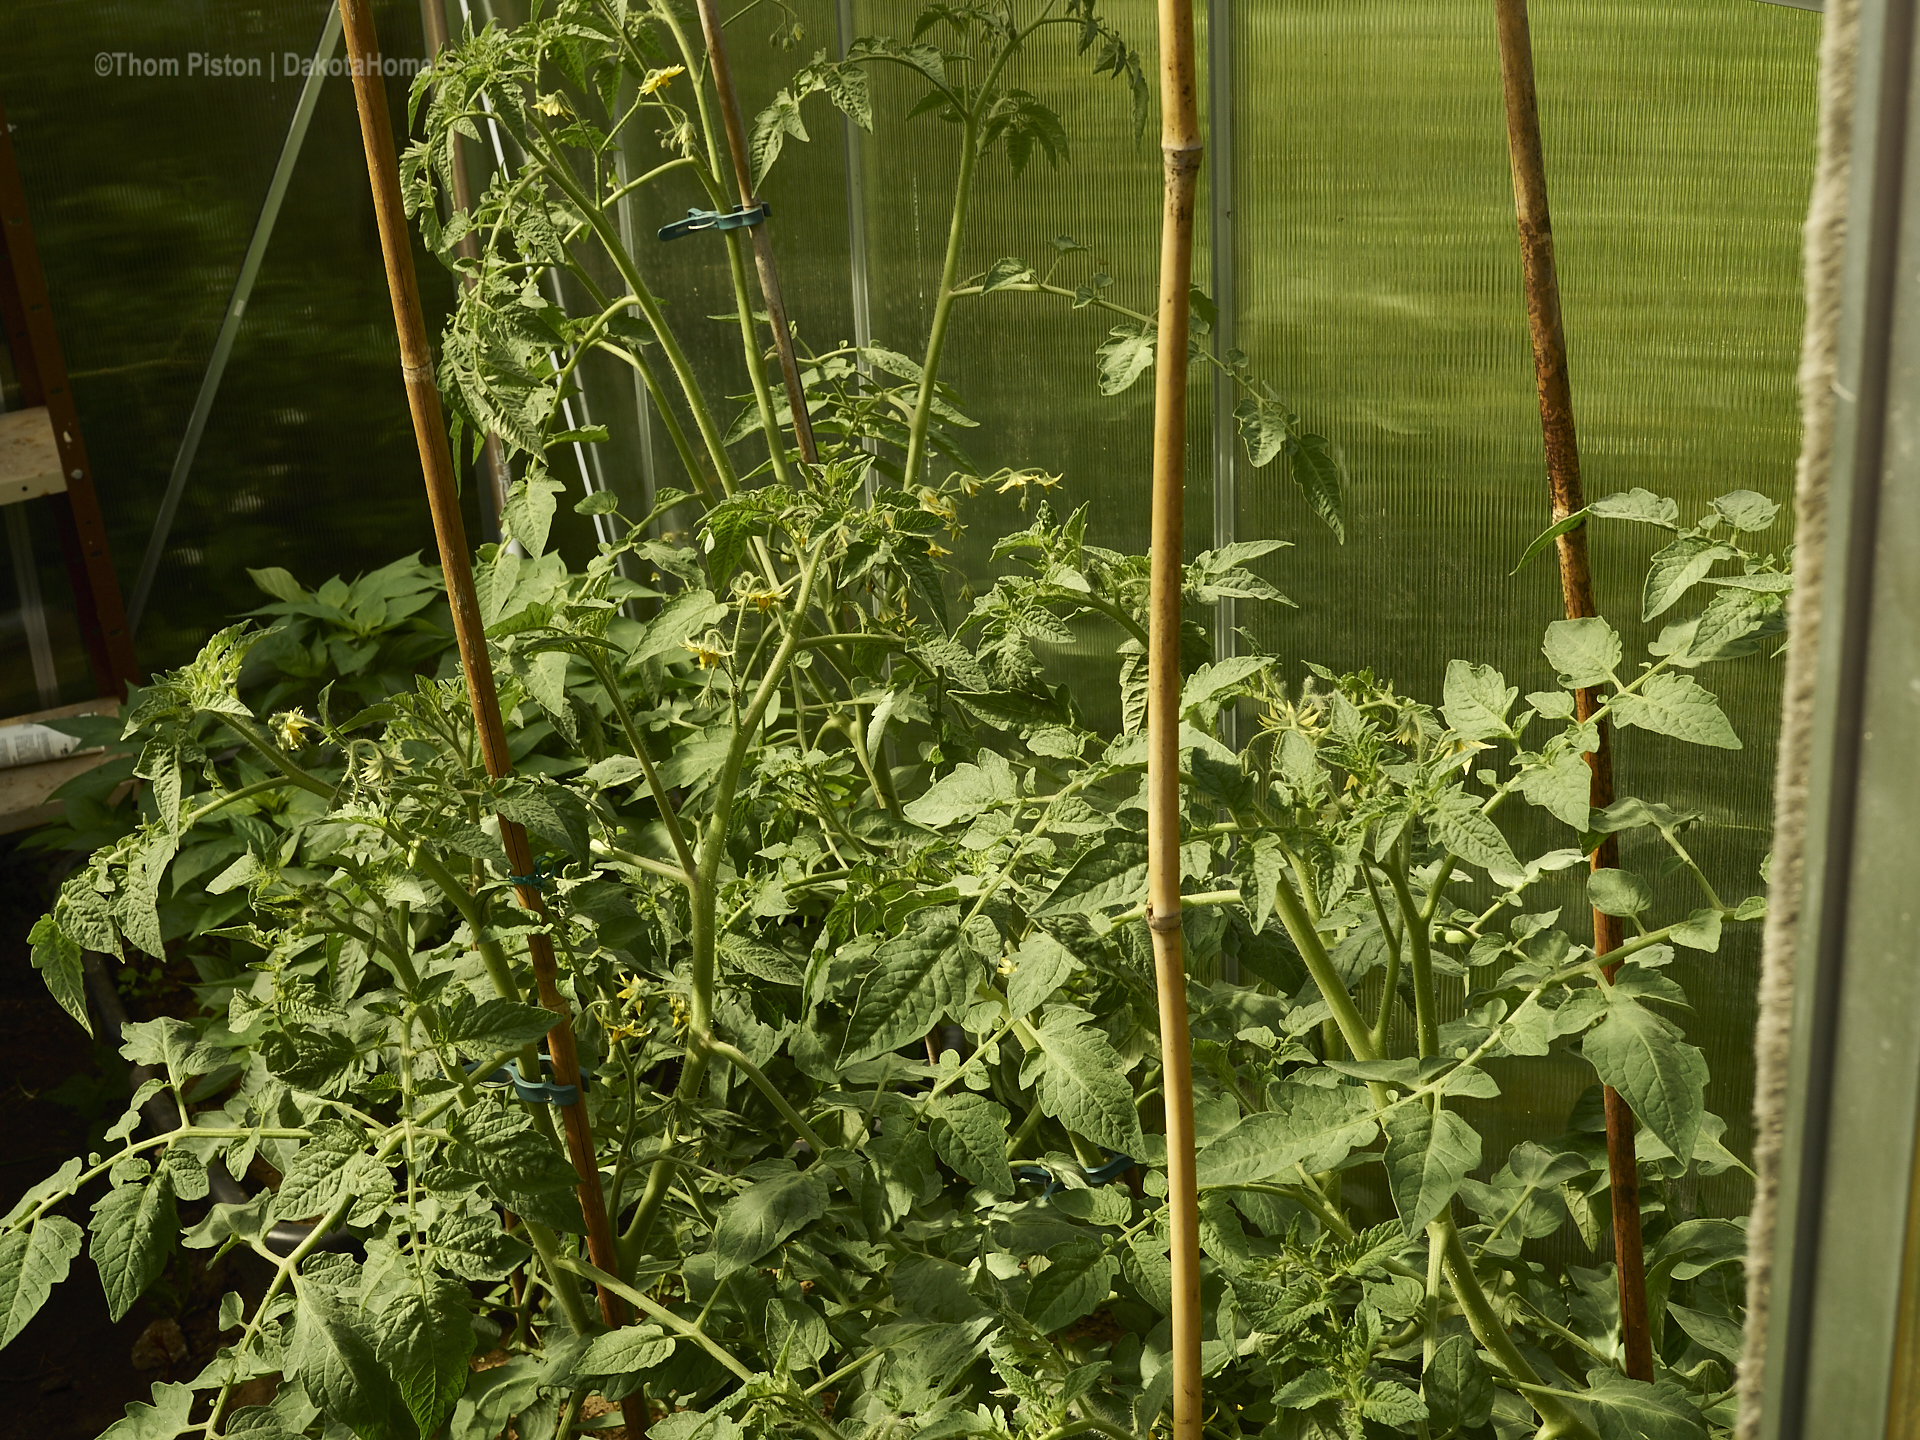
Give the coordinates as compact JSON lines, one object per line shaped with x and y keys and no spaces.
{"x":230,"y":322}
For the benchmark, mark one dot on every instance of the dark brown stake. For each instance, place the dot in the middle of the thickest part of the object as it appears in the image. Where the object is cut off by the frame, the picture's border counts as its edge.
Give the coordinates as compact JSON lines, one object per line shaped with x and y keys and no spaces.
{"x":493,"y":460}
{"x":762,"y":245}
{"x":436,"y":464}
{"x":26,"y":314}
{"x":1576,"y":586}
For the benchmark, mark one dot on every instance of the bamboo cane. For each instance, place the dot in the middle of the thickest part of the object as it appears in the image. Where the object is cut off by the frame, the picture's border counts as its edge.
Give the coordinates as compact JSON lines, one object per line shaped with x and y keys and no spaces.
{"x":710,"y":24}
{"x":1180,"y":150}
{"x":436,"y":463}
{"x":1576,"y":586}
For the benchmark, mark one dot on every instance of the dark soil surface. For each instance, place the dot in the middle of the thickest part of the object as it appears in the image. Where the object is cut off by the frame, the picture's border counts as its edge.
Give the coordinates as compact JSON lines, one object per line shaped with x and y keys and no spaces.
{"x":72,"y":1371}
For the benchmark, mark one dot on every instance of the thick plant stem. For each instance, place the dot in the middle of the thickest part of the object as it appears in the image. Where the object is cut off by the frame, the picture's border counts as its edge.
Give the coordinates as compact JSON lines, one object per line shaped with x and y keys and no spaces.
{"x":1419,"y":945}
{"x":436,"y":463}
{"x":942,"y":311}
{"x":1180,"y":150}
{"x":1306,"y":939}
{"x":1492,"y":1335}
{"x":1576,"y":586}
{"x":704,"y":898}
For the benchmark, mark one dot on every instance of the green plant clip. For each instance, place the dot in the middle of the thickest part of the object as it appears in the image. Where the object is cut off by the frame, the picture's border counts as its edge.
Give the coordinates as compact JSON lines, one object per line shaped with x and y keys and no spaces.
{"x":533,"y":1092}
{"x":536,"y":879}
{"x":734,"y":219}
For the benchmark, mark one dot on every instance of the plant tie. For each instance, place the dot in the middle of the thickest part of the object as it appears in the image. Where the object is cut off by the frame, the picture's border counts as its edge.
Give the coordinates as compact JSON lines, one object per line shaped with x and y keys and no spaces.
{"x":535,"y":1092}
{"x":734,"y":219}
{"x":536,"y":879}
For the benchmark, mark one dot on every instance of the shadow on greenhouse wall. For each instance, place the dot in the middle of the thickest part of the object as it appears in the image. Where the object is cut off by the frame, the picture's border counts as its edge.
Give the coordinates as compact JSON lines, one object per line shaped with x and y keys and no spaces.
{"x":145,"y":164}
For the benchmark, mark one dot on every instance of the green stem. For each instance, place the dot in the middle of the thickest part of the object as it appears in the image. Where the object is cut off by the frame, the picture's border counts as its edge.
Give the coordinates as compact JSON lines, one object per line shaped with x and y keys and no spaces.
{"x":1420,"y":949}
{"x":1313,"y":950}
{"x":1492,"y":1335}
{"x":554,"y":1261}
{"x":942,"y":307}
{"x":274,"y":756}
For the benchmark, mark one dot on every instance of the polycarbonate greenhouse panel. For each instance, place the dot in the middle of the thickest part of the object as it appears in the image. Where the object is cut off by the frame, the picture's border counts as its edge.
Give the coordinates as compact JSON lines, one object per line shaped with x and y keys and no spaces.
{"x":145,"y":174}
{"x":1378,"y":272}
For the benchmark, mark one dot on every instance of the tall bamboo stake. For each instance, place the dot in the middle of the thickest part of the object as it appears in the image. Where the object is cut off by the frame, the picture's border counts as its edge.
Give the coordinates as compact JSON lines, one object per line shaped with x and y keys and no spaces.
{"x":1576,"y":586}
{"x":1180,"y":151}
{"x":762,"y":244}
{"x":436,"y":464}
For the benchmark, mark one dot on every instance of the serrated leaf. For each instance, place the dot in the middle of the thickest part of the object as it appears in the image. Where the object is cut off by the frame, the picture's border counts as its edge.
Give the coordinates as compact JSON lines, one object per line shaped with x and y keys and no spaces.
{"x":278,"y":582}
{"x":1458,"y":1385}
{"x":1393,"y":1404}
{"x":1040,"y":966}
{"x":57,"y":956}
{"x":1269,"y":865}
{"x":528,"y":513}
{"x":165,"y":1418}
{"x":1618,"y":892}
{"x":627,"y":1350}
{"x":314,"y":1182}
{"x":1457,"y":823}
{"x":521,"y":1168}
{"x":1008,"y":270}
{"x":1477,"y":699}
{"x":1307,"y":1125}
{"x":1626,"y":1409}
{"x":1561,"y":788}
{"x":764,"y":1214}
{"x":771,"y":127}
{"x":1427,"y":1157}
{"x":913,"y":978}
{"x":1205,"y":688}
{"x":1547,"y":536}
{"x":32,"y":1262}
{"x":1113,"y":872}
{"x":1078,"y":1277}
{"x":1320,"y":473}
{"x":1638,"y":504}
{"x":1746,"y":509}
{"x":550,"y":811}
{"x":133,"y":1229}
{"x":965,"y":793}
{"x":422,"y":1338}
{"x":1676,"y":705}
{"x":1700,"y":932}
{"x":690,"y":613}
{"x":1661,"y":1077}
{"x":1125,"y":356}
{"x":1584,"y":652}
{"x":969,"y":1135}
{"x":1083,"y":1081}
{"x":1676,"y":569}
{"x":332,"y":1356}
{"x":500,"y":1025}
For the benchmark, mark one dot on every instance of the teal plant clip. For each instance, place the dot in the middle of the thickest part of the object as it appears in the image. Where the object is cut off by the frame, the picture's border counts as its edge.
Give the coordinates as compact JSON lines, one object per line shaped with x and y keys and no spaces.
{"x":536,"y":879}
{"x":535,"y":1092}
{"x":734,"y":219}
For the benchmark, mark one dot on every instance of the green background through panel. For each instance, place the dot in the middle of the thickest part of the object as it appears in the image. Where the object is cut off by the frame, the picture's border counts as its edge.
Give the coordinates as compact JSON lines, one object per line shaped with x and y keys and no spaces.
{"x":1378,"y":287}
{"x":144,"y":190}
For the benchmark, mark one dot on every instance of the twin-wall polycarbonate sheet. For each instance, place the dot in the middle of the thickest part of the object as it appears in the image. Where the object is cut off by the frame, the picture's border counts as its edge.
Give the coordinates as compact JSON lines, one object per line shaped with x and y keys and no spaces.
{"x":146,"y":136}
{"x":1378,"y":272}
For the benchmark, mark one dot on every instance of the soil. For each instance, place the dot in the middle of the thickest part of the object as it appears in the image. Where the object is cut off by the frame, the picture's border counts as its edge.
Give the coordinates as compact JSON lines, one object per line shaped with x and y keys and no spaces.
{"x":71,"y":1373}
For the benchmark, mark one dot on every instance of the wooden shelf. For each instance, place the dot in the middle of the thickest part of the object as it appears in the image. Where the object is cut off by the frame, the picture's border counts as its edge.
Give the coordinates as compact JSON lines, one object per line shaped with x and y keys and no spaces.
{"x":26,"y":790}
{"x":29,"y":456}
